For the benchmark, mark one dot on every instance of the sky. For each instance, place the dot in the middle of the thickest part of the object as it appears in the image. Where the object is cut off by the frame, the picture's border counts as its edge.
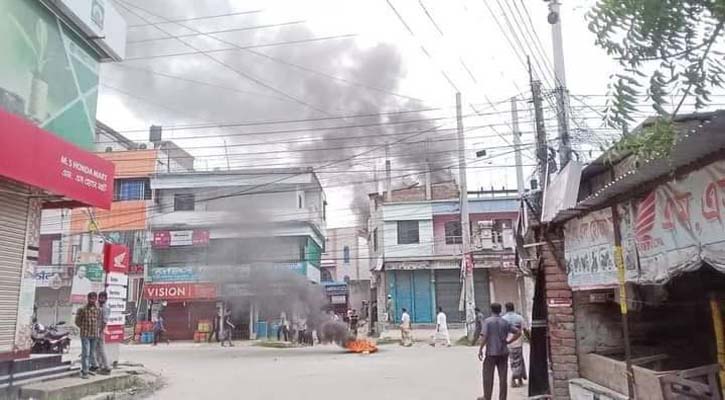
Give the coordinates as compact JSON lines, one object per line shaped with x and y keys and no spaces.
{"x":397,"y":62}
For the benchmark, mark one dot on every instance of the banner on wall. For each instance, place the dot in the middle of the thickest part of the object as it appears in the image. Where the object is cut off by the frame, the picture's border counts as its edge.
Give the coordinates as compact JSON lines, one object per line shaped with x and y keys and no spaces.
{"x":668,"y":231}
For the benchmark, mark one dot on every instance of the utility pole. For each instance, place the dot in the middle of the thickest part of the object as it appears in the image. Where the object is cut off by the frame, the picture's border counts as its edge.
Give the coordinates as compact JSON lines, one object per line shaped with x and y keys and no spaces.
{"x":467,"y":256}
{"x":226,"y":153}
{"x":517,"y":146}
{"x":562,"y":101}
{"x":541,"y":148}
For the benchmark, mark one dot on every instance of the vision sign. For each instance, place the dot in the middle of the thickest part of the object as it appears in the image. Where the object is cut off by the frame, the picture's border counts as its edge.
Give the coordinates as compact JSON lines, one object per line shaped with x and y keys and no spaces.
{"x":180,"y":291}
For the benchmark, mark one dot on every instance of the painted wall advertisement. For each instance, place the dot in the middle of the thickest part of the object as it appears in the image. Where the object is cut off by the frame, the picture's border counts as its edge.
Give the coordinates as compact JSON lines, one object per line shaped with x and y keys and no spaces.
{"x":671,"y":230}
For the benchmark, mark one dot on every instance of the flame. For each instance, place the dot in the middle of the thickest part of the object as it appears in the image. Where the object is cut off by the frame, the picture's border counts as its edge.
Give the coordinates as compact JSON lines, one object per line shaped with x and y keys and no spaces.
{"x":361,"y":346}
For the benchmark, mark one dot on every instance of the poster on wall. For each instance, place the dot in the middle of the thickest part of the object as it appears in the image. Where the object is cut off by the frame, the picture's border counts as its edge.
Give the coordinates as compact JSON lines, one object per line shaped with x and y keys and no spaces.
{"x":88,"y":278}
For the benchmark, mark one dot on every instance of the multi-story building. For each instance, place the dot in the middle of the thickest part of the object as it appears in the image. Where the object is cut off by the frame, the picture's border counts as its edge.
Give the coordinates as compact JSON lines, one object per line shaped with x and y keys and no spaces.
{"x":73,"y":239}
{"x":215,"y":232}
{"x":49,"y":77}
{"x":346,"y":268}
{"x":416,"y":249}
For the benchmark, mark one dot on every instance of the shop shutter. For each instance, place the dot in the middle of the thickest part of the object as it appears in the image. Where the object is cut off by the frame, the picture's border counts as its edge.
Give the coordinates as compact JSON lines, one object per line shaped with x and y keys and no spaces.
{"x":13,"y":223}
{"x":448,"y":293}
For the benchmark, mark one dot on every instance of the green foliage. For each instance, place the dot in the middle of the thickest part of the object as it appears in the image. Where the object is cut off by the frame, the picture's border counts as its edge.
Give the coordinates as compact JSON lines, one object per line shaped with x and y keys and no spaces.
{"x":665,"y":48}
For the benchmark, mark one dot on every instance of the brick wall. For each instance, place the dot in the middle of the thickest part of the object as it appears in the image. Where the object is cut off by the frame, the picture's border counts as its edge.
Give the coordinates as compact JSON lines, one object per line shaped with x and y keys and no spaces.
{"x":562,"y":334}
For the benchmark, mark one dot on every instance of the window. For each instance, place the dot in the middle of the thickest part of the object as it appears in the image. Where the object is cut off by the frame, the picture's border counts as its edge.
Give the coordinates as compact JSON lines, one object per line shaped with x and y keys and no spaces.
{"x":497,"y":230}
{"x":131,"y":189}
{"x":346,"y":255}
{"x":375,"y":240}
{"x":183,"y":202}
{"x":454,"y":234}
{"x":408,"y":232}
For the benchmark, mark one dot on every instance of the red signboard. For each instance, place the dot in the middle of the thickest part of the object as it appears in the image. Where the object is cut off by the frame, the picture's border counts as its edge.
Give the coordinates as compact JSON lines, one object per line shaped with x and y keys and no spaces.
{"x":180,"y":291}
{"x":135,"y":269}
{"x":196,"y":237}
{"x":113,"y":334}
{"x":39,"y":158}
{"x":115,"y":258}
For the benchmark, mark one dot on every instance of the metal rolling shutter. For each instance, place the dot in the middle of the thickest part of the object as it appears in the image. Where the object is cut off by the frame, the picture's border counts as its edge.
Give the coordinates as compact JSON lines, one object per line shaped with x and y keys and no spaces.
{"x":448,"y":293}
{"x":13,"y":224}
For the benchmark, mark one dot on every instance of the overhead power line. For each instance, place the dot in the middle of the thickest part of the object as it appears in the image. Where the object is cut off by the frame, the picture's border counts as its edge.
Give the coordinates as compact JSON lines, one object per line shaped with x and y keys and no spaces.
{"x":246,"y":28}
{"x":174,"y":21}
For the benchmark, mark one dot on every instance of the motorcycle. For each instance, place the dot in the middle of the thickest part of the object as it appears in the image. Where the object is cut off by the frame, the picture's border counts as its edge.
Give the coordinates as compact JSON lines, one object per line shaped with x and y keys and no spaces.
{"x":52,"y":339}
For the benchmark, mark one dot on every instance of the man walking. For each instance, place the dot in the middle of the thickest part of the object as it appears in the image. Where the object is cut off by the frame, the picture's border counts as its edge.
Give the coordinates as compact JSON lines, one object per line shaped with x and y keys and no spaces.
{"x":405,"y":329}
{"x":494,"y":334}
{"x":87,"y":321}
{"x":516,"y":347}
{"x":101,"y":361}
{"x":479,"y":326}
{"x":159,"y":329}
{"x":442,"y":328}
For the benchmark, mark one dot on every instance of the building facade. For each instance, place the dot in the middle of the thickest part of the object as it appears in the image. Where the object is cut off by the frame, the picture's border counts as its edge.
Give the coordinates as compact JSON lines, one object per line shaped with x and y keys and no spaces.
{"x":72,"y":239}
{"x":49,"y":76}
{"x":346,"y":268}
{"x":214,"y":234}
{"x":416,"y":250}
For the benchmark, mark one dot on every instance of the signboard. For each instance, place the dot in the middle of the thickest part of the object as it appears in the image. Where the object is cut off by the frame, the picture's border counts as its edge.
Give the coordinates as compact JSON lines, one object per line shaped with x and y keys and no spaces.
{"x":118,"y":279}
{"x":180,"y":291}
{"x":39,"y":158}
{"x":196,"y":237}
{"x":118,"y":305}
{"x":114,"y":334}
{"x":98,"y":19}
{"x":136,"y":269}
{"x":237,"y":290}
{"x":116,"y":292}
{"x":115,"y":258}
{"x":50,"y":277}
{"x":336,"y":289}
{"x":87,"y":278}
{"x":671,"y":230}
{"x":341,"y":299}
{"x":173,"y":274}
{"x":116,"y":318}
{"x":677,"y":226}
{"x":589,"y":251}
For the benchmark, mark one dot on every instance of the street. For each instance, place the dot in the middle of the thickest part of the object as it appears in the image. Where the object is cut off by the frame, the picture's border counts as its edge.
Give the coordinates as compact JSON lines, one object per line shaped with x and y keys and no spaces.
{"x":198,"y":371}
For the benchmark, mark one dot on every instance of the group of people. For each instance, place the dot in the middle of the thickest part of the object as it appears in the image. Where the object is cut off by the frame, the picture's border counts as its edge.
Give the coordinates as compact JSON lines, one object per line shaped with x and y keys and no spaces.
{"x":91,"y":320}
{"x":501,"y":344}
{"x":296,"y":331}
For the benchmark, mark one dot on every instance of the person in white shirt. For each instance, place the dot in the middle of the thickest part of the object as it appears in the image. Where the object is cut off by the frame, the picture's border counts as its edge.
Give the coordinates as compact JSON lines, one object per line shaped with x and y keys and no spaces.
{"x":442,"y":328}
{"x":405,"y":329}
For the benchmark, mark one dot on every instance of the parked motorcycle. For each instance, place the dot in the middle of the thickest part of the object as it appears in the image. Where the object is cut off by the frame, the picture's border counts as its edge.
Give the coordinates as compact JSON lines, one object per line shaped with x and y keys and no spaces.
{"x":51,"y":339}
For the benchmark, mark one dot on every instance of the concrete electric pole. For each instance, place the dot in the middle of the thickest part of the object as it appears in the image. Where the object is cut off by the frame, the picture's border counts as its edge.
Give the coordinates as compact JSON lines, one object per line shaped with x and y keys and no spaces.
{"x":542,"y":156}
{"x":467,"y":256}
{"x":517,"y":146}
{"x":562,"y":101}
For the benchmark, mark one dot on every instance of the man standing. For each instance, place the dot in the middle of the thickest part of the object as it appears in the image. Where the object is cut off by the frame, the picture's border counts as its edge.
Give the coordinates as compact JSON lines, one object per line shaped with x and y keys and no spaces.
{"x":87,"y":321}
{"x":105,"y":311}
{"x":494,"y":334}
{"x":442,"y":328}
{"x":227,"y":328}
{"x":389,"y":310}
{"x":405,"y":334}
{"x":516,"y":348}
{"x":159,"y":329}
{"x":354,"y":320}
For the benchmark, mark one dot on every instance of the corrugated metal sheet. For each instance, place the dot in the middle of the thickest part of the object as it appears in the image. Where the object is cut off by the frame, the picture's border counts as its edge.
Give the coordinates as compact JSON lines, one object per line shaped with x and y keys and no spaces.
{"x":13,"y":227}
{"x":702,"y":135}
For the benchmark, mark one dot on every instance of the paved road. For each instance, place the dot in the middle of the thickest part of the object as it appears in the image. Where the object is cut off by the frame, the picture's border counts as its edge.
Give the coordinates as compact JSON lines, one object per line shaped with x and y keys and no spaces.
{"x":206,"y":371}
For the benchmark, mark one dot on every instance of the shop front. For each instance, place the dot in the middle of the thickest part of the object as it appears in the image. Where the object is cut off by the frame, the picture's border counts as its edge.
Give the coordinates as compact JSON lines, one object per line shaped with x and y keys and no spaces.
{"x":182,"y":305}
{"x":667,"y":291}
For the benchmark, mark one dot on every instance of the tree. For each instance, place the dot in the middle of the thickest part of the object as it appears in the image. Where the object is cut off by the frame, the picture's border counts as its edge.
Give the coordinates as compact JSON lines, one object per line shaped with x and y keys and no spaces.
{"x":665,"y":48}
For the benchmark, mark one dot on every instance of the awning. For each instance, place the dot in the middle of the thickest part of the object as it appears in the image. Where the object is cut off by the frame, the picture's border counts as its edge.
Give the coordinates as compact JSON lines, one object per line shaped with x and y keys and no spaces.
{"x":36,"y":157}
